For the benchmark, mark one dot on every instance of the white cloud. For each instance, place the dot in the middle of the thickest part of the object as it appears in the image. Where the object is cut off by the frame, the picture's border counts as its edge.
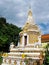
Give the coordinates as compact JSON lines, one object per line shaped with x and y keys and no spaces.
{"x":16,"y":11}
{"x":21,"y":14}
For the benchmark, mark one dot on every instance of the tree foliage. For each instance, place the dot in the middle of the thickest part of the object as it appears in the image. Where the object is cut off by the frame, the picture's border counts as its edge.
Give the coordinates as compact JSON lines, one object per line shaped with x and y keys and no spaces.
{"x":1,"y":60}
{"x":46,"y":59}
{"x":8,"y":33}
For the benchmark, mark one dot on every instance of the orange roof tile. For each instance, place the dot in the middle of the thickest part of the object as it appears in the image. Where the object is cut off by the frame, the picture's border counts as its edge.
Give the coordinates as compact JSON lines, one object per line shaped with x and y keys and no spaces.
{"x":45,"y":38}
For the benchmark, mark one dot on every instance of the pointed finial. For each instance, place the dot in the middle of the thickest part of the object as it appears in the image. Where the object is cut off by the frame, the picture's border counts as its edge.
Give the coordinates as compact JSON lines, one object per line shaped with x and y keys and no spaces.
{"x":30,"y":11}
{"x":29,"y":6}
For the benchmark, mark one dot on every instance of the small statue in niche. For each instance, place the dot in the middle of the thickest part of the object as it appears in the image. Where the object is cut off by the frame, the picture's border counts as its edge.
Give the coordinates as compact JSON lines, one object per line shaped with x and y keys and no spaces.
{"x":12,"y":45}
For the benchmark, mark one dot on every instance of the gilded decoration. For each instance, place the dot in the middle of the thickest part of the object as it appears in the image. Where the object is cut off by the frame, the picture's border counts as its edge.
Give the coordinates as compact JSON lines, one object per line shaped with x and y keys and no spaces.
{"x":33,"y":38}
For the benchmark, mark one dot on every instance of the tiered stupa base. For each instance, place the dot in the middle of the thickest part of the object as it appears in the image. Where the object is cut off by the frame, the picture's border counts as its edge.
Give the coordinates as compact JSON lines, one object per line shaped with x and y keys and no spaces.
{"x":18,"y":55}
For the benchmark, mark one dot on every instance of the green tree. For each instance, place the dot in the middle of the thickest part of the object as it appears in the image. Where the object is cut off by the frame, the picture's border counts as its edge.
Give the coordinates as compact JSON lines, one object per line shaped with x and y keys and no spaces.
{"x":8,"y":33}
{"x":1,"y":60}
{"x":46,"y":59}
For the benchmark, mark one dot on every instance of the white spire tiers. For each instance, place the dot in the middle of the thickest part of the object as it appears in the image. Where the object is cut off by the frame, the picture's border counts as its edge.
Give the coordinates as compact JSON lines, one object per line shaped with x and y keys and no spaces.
{"x":30,"y":19}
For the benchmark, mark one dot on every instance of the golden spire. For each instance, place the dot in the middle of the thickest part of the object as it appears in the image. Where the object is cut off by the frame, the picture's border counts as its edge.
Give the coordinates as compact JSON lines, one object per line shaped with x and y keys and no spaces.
{"x":30,"y":11}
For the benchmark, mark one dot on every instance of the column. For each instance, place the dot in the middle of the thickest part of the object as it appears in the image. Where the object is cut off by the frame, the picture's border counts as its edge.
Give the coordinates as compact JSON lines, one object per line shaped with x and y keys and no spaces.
{"x":41,"y":61}
{"x":7,"y":60}
{"x":3,"y":60}
{"x":12,"y":62}
{"x":18,"y":62}
{"x":23,"y":41}
{"x":23,"y":63}
{"x":27,"y":39}
{"x":39,"y":38}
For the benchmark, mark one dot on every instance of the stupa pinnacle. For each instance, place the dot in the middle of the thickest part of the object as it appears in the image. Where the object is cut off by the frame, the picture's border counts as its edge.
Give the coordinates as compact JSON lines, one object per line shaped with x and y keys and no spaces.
{"x":30,"y":16}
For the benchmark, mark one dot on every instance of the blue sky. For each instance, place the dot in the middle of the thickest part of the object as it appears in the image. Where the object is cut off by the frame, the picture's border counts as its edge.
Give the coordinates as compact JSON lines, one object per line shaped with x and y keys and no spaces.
{"x":15,"y":11}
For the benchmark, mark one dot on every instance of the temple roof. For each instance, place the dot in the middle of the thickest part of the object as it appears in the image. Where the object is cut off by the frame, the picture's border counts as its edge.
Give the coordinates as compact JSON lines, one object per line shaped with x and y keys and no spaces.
{"x":45,"y":38}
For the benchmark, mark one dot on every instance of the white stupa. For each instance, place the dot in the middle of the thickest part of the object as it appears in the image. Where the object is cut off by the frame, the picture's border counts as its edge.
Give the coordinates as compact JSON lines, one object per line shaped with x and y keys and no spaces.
{"x":29,"y":46}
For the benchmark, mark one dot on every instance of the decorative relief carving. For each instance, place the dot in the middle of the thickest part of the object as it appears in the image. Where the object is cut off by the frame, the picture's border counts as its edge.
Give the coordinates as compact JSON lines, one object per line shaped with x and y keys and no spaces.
{"x":33,"y":38}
